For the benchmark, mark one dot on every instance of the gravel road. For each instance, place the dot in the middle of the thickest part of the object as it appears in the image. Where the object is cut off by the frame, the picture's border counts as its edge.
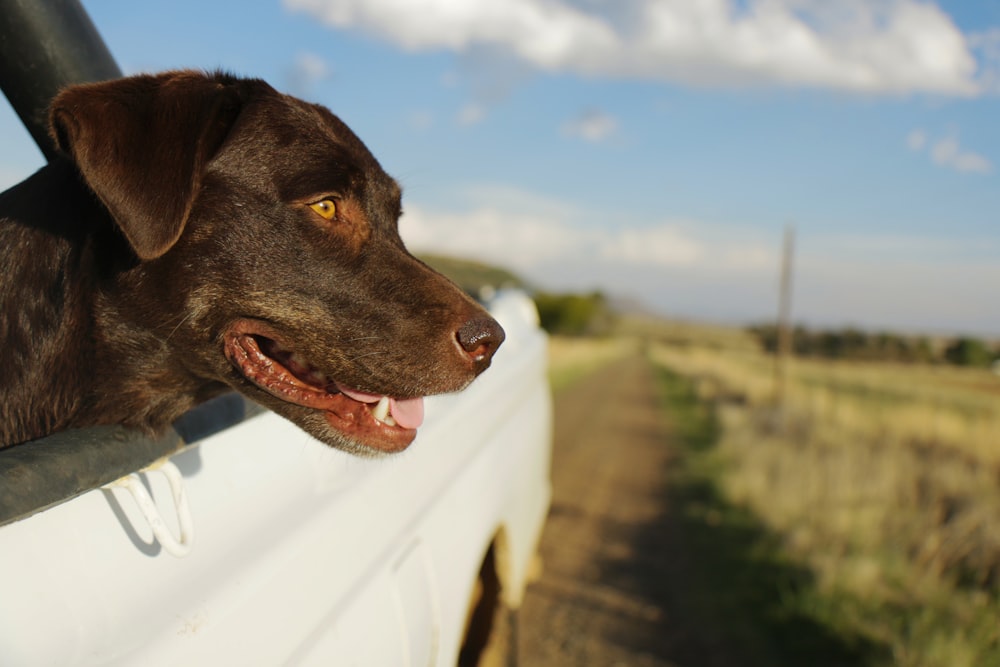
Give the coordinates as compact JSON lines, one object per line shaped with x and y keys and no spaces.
{"x":609,"y":567}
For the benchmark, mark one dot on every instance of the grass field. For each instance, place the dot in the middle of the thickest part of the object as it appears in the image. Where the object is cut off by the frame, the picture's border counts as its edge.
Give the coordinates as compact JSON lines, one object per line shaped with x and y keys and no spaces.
{"x":572,"y":358}
{"x":883,"y":480}
{"x":878,"y":485}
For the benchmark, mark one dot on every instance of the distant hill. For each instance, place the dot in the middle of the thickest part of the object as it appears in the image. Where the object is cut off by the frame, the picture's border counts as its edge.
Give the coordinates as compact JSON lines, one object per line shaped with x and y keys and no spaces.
{"x":472,"y":276}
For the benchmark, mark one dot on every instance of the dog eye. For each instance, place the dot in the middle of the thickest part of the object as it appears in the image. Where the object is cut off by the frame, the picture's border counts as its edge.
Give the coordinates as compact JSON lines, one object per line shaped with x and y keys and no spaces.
{"x":326,"y":208}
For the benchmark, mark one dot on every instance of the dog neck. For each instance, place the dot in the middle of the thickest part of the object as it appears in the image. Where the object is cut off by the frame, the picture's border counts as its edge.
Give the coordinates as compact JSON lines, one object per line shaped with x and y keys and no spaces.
{"x":59,"y":364}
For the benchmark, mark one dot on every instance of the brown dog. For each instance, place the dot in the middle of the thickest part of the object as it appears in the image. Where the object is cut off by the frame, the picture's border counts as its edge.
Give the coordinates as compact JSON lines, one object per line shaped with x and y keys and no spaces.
{"x":207,"y":232}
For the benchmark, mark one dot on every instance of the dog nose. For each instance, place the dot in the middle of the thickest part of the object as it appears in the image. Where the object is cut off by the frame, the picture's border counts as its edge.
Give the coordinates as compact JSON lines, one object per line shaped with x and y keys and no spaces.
{"x":480,"y":338}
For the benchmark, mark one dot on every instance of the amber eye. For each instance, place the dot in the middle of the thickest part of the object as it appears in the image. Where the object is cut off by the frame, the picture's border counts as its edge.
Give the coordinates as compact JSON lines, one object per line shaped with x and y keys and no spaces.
{"x":326,"y":208}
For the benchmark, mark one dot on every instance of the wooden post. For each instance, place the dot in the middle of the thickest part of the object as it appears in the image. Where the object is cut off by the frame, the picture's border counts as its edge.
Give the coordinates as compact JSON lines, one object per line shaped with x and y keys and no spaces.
{"x":784,"y":329}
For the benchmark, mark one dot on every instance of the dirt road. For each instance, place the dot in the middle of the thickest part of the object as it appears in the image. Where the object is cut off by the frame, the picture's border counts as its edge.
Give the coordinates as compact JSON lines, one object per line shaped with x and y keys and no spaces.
{"x":609,"y":567}
{"x":646,"y":563}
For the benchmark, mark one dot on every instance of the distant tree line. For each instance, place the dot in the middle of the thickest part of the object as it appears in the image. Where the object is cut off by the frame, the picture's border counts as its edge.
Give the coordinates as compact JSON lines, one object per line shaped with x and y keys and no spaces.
{"x":855,"y":344}
{"x":565,"y":314}
{"x":574,"y":314}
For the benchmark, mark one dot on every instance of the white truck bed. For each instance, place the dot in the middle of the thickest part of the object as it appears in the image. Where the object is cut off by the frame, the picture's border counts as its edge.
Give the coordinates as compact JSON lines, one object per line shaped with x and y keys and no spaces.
{"x":301,"y":554}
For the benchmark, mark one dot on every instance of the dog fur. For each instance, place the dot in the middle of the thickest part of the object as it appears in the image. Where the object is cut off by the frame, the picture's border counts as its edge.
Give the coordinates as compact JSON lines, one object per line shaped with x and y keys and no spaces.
{"x":175,"y":253}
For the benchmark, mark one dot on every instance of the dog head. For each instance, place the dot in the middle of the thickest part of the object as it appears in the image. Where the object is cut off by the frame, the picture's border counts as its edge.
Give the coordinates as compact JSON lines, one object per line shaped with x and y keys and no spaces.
{"x":265,"y":254}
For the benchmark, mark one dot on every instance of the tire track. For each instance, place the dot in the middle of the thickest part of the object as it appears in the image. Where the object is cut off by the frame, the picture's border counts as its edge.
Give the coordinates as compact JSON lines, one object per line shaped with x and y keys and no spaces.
{"x":602,"y":597}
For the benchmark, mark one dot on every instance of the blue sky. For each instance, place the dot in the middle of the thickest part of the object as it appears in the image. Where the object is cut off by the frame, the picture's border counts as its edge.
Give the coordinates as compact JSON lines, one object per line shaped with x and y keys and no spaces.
{"x":654,"y":149}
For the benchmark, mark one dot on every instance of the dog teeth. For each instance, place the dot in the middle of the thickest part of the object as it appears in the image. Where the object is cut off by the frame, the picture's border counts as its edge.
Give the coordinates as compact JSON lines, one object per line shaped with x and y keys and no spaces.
{"x":381,"y":410}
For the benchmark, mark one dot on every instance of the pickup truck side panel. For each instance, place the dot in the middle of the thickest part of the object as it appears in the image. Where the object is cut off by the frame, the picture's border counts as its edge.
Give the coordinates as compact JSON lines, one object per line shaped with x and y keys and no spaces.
{"x":302,"y":554}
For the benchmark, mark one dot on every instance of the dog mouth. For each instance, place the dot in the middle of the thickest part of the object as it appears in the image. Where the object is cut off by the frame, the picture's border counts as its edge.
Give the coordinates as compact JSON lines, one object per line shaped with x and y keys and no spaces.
{"x":380,"y":422}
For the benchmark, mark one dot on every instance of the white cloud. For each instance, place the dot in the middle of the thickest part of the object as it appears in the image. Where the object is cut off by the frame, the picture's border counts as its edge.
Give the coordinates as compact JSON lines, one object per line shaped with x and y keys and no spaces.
{"x":658,"y":245}
{"x":421,"y":120}
{"x":671,"y":266}
{"x":503,"y":227}
{"x":522,"y":241}
{"x":312,"y":67}
{"x":987,"y":45}
{"x":916,"y":140}
{"x":594,"y":126}
{"x":883,"y":46}
{"x":307,"y":70}
{"x":471,"y":114}
{"x":947,"y":152}
{"x":540,"y":32}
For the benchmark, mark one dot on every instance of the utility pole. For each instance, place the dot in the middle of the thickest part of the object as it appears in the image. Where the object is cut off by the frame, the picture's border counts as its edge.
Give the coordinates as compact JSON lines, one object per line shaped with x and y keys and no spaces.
{"x":784,"y":330}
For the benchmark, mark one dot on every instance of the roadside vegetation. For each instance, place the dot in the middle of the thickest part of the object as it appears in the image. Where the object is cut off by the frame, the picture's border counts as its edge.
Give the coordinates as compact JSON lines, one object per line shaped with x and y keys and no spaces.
{"x":573,"y":357}
{"x":857,"y":345}
{"x":881,"y":480}
{"x":749,"y":597}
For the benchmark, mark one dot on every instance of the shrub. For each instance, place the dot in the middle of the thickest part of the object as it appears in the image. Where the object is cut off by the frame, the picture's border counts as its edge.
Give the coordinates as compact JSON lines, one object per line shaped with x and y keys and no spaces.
{"x":574,"y":314}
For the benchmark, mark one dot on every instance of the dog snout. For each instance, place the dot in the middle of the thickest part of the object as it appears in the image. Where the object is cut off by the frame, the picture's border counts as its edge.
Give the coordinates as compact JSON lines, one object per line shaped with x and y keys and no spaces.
{"x":479,"y":338}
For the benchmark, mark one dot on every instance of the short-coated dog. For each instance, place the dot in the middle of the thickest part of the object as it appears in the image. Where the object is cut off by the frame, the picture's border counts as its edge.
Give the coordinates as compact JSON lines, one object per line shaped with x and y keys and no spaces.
{"x":204,"y":232}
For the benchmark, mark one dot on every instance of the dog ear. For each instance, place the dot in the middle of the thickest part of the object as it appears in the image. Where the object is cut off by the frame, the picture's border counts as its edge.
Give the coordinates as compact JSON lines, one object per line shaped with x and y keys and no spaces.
{"x":142,"y":143}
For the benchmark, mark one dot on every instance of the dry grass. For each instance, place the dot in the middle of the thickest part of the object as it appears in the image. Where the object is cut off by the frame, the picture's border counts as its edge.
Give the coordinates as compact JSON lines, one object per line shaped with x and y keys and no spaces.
{"x":883,"y":479}
{"x":571,"y":358}
{"x":946,"y":408}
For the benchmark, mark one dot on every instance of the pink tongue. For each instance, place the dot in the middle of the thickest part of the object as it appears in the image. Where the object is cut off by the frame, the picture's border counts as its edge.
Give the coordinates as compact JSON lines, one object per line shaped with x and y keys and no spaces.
{"x":408,"y":412}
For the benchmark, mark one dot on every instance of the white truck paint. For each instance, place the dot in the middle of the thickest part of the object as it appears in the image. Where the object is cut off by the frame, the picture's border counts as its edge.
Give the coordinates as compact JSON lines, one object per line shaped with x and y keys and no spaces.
{"x":302,"y":555}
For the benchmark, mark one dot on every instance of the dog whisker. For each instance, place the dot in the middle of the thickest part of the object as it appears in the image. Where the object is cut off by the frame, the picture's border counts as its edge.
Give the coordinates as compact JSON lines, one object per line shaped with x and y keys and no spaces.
{"x":366,"y":354}
{"x":179,"y":325}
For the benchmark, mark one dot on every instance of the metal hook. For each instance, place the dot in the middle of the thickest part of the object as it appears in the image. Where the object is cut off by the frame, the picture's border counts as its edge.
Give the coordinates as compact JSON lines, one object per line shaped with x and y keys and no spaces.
{"x":133,"y":484}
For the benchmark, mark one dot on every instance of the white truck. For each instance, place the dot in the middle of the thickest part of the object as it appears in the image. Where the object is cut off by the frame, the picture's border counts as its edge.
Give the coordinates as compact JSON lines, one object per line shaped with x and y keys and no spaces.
{"x":236,"y":539}
{"x":261,"y":546}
